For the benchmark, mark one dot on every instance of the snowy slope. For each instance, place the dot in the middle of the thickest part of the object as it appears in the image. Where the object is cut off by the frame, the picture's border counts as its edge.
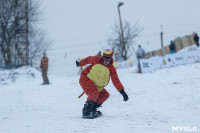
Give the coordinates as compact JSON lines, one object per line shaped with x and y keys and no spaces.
{"x":82,"y":28}
{"x":158,"y":101}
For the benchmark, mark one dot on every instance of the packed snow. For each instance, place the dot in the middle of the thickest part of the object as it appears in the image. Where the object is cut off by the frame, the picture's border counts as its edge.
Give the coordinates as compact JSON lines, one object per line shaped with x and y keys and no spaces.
{"x":158,"y":101}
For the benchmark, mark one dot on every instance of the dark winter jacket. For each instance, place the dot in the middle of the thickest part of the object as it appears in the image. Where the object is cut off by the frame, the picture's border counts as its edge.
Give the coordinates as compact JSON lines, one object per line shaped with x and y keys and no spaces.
{"x":196,"y":38}
{"x":172,"y":46}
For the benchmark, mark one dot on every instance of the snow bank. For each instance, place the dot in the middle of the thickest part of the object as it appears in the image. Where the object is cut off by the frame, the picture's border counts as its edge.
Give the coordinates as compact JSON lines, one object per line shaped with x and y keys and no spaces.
{"x":18,"y":75}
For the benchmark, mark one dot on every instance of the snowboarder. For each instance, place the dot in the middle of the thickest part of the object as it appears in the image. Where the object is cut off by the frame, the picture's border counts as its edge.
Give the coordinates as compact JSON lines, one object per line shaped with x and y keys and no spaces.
{"x":93,"y":80}
{"x":44,"y":67}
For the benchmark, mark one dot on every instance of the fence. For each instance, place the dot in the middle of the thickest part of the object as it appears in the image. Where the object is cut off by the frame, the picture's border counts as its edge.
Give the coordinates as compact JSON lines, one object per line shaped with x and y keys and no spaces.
{"x":180,"y":43}
{"x":190,"y":56}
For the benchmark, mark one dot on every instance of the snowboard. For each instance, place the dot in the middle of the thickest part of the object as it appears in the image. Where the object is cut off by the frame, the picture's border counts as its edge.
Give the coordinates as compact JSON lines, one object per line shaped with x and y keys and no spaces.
{"x":45,"y":84}
{"x":92,"y":117}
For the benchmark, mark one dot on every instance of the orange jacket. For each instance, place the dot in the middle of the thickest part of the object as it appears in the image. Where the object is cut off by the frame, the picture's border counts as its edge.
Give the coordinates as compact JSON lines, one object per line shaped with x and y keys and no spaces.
{"x":93,"y":60}
{"x":44,"y":63}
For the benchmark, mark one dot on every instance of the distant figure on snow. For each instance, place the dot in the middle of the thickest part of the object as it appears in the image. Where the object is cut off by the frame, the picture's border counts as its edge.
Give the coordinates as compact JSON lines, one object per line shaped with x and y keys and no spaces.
{"x":44,"y":67}
{"x":99,"y":54}
{"x":196,"y":39}
{"x":172,"y":47}
{"x":140,"y":54}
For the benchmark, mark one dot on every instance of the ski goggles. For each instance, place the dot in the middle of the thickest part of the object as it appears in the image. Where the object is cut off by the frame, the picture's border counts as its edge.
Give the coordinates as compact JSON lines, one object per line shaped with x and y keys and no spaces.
{"x":107,"y":58}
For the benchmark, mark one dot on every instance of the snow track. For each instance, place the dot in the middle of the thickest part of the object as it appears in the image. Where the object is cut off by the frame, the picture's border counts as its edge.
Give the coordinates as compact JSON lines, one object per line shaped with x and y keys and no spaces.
{"x":157,"y":102}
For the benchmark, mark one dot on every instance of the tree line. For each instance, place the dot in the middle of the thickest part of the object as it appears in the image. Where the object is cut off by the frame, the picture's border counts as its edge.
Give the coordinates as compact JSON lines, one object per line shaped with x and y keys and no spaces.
{"x":21,"y":41}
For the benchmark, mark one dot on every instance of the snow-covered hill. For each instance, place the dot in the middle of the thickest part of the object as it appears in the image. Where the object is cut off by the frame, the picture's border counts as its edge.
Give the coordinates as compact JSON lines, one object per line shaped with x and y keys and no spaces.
{"x":18,"y":75}
{"x":158,"y":102}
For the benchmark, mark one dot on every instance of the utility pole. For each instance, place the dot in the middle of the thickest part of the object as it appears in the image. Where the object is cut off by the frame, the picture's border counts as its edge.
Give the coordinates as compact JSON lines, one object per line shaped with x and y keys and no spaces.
{"x":122,"y":32}
{"x":161,"y":38}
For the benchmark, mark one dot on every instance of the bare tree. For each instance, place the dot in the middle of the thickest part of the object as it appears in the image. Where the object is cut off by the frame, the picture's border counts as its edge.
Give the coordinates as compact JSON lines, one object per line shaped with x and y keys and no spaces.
{"x":122,"y":53}
{"x":40,"y":44}
{"x":17,"y":25}
{"x":6,"y":13}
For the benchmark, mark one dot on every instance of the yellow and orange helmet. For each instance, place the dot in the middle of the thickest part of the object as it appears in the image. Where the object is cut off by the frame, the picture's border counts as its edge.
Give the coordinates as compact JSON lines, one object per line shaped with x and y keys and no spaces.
{"x":108,"y":53}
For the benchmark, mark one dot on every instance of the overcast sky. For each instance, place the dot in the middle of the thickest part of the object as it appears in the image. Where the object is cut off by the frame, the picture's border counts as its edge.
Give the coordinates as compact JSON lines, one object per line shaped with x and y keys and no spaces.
{"x":82,"y":27}
{"x":89,"y":22}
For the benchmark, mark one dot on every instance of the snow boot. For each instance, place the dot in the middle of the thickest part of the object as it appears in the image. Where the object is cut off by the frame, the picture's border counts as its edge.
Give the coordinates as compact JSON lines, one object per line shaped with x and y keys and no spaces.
{"x":86,"y":108}
{"x":98,"y":105}
{"x":89,"y":110}
{"x":95,"y":108}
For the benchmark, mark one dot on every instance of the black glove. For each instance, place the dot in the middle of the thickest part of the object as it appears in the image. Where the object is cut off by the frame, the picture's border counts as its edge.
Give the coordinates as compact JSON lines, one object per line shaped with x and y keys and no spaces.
{"x":124,"y":94}
{"x":77,"y":64}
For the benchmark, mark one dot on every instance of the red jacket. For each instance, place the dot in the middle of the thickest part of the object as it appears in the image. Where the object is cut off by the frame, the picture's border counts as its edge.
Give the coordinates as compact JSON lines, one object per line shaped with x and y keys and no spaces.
{"x":93,"y":60}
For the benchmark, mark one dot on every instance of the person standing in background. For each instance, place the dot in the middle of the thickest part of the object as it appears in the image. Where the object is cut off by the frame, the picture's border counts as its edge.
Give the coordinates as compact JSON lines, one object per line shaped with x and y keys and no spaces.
{"x":140,"y":53}
{"x":172,"y":47}
{"x":196,"y":39}
{"x":99,"y":54}
{"x":44,"y":67}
